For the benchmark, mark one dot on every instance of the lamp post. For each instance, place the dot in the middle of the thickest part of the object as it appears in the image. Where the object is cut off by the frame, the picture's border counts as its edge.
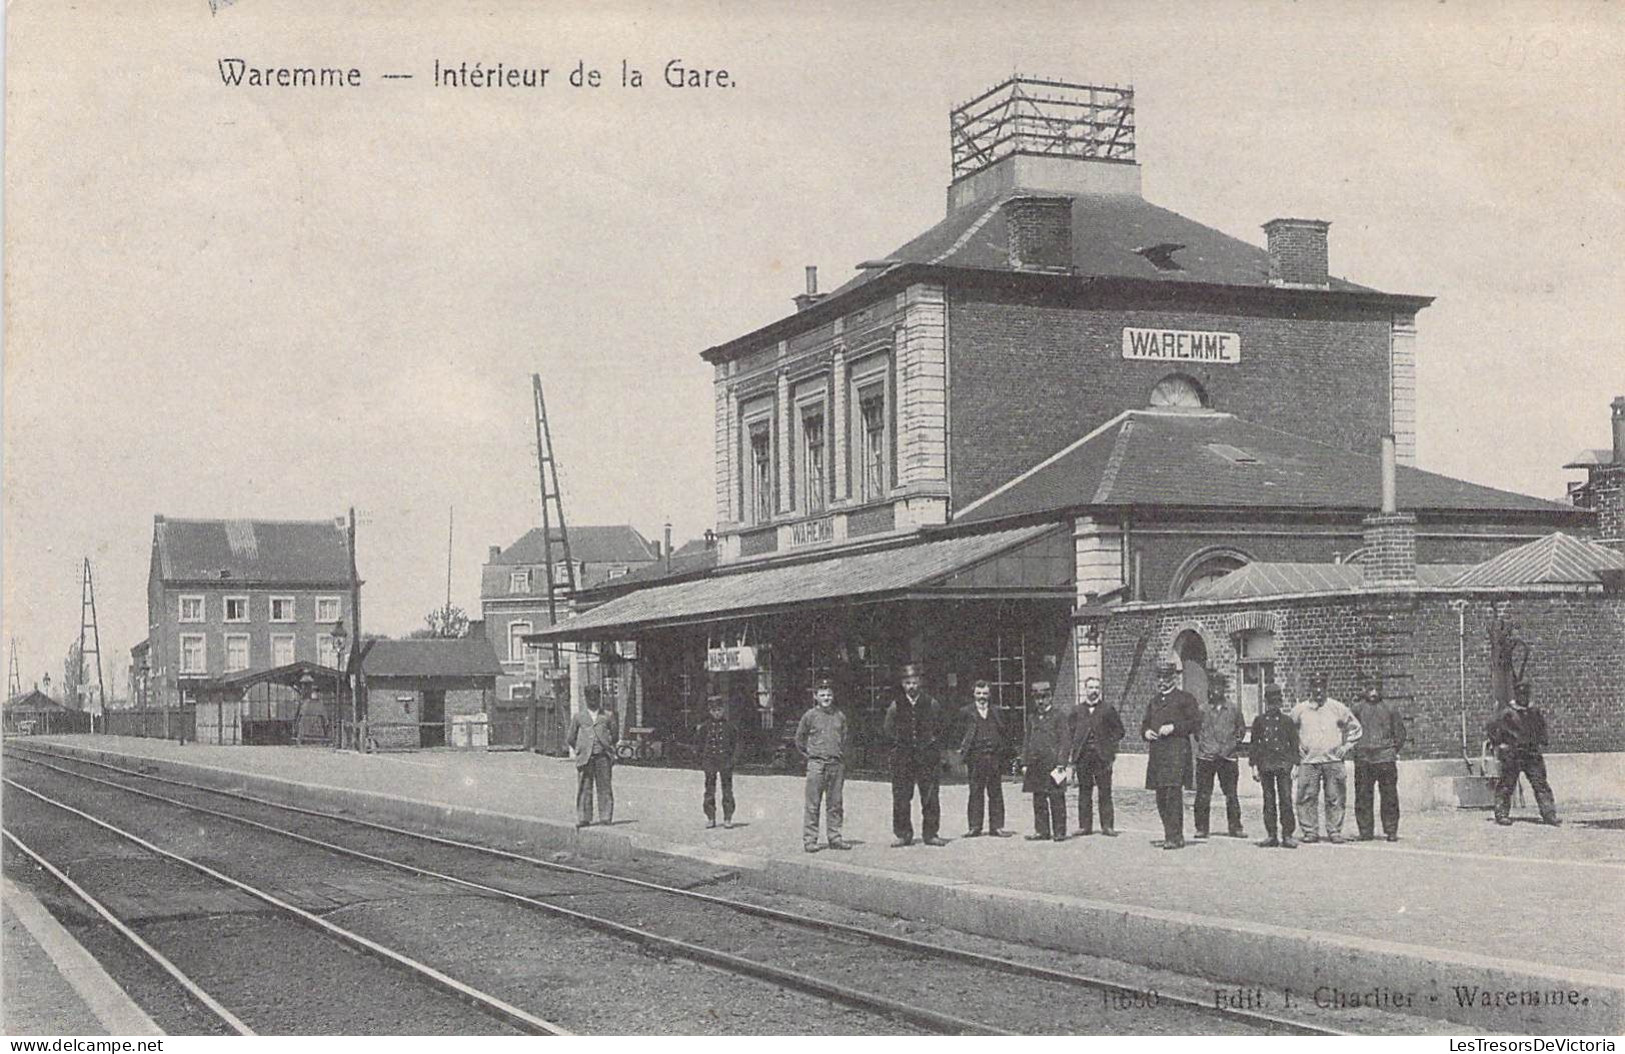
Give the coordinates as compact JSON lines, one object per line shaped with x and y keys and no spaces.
{"x":339,"y":637}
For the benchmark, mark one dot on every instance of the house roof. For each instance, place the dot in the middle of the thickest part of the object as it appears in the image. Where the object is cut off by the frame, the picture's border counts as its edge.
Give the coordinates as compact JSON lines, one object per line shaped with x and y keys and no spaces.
{"x":34,"y":701}
{"x":1592,"y":458}
{"x":1293,"y":579}
{"x":1182,"y":458}
{"x":257,"y":552}
{"x":1109,"y":232}
{"x":1556,"y":559}
{"x":432,"y":657}
{"x":612,"y":544}
{"x":840,"y":578}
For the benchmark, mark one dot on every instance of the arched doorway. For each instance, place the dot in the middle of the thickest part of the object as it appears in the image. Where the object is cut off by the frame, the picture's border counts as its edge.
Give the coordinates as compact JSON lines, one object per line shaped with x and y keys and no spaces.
{"x":1190,"y":651}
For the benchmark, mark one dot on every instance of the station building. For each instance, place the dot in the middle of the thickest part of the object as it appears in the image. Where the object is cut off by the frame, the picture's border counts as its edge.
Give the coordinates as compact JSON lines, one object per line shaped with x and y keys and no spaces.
{"x":992,"y":443}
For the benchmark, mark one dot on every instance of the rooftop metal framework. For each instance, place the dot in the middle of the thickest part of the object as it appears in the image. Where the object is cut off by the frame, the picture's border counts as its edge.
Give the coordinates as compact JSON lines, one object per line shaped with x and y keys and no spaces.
{"x":1026,"y":115}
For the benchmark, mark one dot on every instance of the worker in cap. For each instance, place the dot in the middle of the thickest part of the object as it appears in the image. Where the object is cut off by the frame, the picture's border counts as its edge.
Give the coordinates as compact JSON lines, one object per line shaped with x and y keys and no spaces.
{"x":1376,"y":761}
{"x":824,"y":738}
{"x":915,"y":728}
{"x":718,"y":739}
{"x":1518,"y":732}
{"x":1171,"y":718}
{"x":1273,"y":754}
{"x":1046,"y":755}
{"x":1218,"y":743}
{"x":1327,"y":731}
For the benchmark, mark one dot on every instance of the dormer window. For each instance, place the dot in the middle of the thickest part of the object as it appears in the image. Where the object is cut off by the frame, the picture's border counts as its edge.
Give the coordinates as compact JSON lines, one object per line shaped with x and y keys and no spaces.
{"x":1177,"y":391}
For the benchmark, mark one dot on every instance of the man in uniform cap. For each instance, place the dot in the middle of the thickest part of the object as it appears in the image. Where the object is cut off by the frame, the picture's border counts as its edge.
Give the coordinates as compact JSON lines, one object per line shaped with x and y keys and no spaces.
{"x":1046,"y":752}
{"x":915,"y":726}
{"x":1170,"y":720}
{"x":718,"y":738}
{"x":1518,"y":731}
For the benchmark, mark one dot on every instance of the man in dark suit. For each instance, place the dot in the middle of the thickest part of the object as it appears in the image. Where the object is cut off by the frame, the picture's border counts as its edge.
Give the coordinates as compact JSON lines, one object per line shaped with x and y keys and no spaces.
{"x":984,"y":749}
{"x":915,"y":727}
{"x":1170,"y":720}
{"x":1518,"y":732}
{"x":1096,"y":731}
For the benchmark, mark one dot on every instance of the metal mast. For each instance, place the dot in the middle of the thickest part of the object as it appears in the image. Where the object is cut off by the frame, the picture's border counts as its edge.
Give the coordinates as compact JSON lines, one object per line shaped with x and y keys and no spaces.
{"x":87,"y":622}
{"x":552,"y":505}
{"x":14,"y":686}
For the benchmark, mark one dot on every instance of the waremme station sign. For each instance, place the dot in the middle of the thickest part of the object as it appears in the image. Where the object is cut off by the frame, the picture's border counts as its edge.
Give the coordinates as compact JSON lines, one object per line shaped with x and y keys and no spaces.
{"x":1181,"y":345}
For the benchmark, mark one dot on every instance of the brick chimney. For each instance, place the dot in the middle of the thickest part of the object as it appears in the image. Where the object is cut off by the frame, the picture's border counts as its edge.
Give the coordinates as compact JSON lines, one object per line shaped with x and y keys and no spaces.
{"x":1297,"y":251}
{"x":1618,"y":406}
{"x":493,"y":553}
{"x":812,"y":295}
{"x":1390,"y":535}
{"x":1039,"y":230}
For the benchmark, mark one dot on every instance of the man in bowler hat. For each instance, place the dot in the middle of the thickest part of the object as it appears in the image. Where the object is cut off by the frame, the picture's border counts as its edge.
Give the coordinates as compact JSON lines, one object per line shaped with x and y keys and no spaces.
{"x":1170,"y":720}
{"x":915,"y":727}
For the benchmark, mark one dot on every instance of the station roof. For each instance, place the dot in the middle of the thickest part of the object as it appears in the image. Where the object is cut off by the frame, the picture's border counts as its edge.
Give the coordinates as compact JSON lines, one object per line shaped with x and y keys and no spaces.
{"x":1556,"y":559}
{"x":1296,"y":579}
{"x":252,"y":552}
{"x":1184,"y":458}
{"x":841,"y":578}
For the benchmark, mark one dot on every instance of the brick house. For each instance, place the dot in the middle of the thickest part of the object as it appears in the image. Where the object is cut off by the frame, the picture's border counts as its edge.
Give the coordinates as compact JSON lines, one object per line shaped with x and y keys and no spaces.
{"x":1059,"y":400}
{"x":418,"y":689}
{"x":1604,"y":488}
{"x":513,"y":587}
{"x":233,"y":597}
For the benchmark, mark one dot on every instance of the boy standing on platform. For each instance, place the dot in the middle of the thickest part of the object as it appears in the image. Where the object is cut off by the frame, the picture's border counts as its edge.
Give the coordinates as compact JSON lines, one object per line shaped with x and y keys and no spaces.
{"x":822,"y":739}
{"x":1273,"y":755}
{"x":719,"y":749}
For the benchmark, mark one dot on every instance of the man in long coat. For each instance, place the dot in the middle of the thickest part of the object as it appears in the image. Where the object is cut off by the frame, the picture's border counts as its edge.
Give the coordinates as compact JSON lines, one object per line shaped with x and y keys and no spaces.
{"x":1046,"y":750}
{"x":916,"y":726}
{"x":1170,"y":720}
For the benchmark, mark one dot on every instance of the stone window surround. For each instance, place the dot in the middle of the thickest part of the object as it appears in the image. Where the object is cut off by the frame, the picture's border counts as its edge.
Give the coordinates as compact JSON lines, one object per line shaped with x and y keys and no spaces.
{"x":202,"y":608}
{"x":225,"y":611}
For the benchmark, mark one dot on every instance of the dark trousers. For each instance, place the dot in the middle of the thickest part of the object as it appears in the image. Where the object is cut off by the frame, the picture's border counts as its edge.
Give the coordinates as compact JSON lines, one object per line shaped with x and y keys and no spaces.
{"x":1226,"y":769}
{"x":985,"y":783}
{"x":1093,"y":772}
{"x":903,"y":782}
{"x":1049,"y":813}
{"x":1370,"y":776}
{"x":1529,"y":763}
{"x":711,"y":793}
{"x":1278,"y":802}
{"x":595,"y":773}
{"x":1171,"y":807}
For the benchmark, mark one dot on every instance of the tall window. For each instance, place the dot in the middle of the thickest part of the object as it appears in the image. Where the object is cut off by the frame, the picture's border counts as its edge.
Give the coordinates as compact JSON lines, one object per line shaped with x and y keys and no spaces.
{"x":326,"y":653}
{"x":282,"y":649}
{"x":236,"y":652}
{"x":759,"y":484}
{"x":194,"y":657}
{"x":814,"y":478}
{"x":516,"y":640}
{"x":1255,"y":650}
{"x":873,"y":457}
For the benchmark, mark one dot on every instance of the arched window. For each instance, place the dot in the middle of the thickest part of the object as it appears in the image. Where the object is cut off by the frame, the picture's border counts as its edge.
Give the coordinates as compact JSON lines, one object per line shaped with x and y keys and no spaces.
{"x":1178,"y":391}
{"x":1202,"y":570}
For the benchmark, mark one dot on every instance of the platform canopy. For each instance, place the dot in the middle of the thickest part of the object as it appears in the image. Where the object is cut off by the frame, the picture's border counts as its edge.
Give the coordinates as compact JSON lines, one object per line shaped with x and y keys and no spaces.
{"x":1032,"y":562}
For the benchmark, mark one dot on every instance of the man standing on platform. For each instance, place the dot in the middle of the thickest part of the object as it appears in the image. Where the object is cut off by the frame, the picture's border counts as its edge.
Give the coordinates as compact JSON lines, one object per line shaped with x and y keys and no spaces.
{"x":915,"y":726}
{"x":1217,"y":744}
{"x":593,"y":736}
{"x":1327,"y":730}
{"x":1096,"y":731}
{"x":1273,"y":756}
{"x":984,"y":749}
{"x":1518,"y":732}
{"x":822,"y":737}
{"x":1171,"y":719}
{"x":1376,"y":761}
{"x":719,"y":748}
{"x":1045,"y":752}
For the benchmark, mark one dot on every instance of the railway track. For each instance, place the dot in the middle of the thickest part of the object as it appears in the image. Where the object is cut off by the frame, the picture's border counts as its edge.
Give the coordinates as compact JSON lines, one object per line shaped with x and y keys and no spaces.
{"x":928,"y":986}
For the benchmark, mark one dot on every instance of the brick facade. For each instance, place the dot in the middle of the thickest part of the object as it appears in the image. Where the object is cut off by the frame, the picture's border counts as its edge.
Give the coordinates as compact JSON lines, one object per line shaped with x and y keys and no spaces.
{"x":1415,"y":641}
{"x":1031,"y":374}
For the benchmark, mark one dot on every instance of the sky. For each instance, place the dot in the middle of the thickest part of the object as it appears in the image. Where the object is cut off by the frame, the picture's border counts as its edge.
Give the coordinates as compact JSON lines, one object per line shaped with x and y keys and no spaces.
{"x":285,"y":302}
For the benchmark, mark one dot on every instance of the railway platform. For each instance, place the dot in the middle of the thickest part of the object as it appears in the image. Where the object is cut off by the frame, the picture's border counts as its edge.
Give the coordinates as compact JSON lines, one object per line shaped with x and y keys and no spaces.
{"x":1498,"y":929}
{"x":50,"y":985}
